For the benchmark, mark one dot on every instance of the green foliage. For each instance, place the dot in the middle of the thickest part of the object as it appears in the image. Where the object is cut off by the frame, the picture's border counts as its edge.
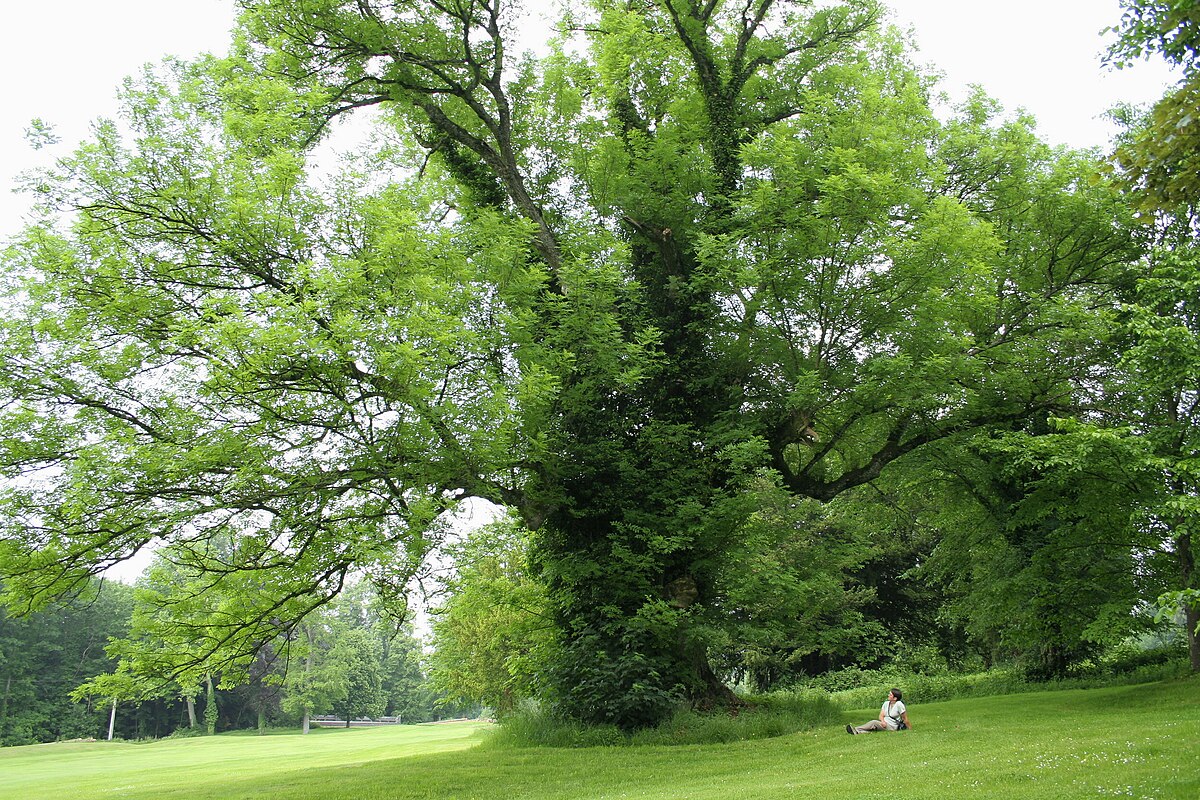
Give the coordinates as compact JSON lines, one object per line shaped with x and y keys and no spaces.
{"x":1160,"y":155}
{"x":1167,"y":27}
{"x":354,"y":659}
{"x":1161,"y":377}
{"x":695,"y":264}
{"x":492,"y":635}
{"x":850,"y":689}
{"x":295,"y":318}
{"x":46,"y":655}
{"x":764,"y":717}
{"x":789,"y":590}
{"x":409,"y":692}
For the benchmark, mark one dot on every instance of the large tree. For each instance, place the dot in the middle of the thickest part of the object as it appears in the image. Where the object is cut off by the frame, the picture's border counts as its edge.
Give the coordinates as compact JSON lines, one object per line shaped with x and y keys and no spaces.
{"x":1158,"y":158}
{"x":1160,"y":387}
{"x":1161,"y":157}
{"x":694,"y":254}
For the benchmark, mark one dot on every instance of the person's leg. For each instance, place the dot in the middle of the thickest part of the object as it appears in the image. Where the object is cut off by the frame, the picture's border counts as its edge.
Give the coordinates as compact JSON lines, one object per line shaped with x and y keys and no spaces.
{"x":873,"y":725}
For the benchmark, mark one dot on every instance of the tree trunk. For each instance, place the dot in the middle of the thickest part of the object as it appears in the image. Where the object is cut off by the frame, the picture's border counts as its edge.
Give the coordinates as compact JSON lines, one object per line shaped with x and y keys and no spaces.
{"x":1191,"y":616}
{"x":210,"y":706}
{"x":4,"y":703}
{"x":191,"y":709}
{"x":1191,"y":611}
{"x":112,"y":718}
{"x":716,"y":693}
{"x":311,"y":637}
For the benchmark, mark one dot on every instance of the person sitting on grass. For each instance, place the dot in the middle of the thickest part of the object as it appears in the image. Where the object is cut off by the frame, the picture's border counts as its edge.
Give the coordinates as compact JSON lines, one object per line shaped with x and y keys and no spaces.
{"x":893,"y":716}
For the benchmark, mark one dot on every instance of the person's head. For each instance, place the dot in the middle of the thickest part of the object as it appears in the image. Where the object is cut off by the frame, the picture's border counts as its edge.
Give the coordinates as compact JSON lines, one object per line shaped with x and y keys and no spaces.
{"x":895,"y":694}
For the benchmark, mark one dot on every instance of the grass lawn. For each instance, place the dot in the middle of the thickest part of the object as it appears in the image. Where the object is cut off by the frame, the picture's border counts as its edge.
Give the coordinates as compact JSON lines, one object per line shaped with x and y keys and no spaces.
{"x":1135,"y":741}
{"x":203,"y":766}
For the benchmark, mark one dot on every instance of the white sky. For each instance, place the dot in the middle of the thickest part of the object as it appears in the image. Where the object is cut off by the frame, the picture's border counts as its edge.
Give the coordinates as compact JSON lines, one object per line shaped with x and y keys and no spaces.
{"x":63,"y":59}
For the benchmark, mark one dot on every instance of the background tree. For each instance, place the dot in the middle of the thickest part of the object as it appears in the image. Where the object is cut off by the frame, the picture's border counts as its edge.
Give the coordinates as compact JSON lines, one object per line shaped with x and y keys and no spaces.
{"x":1159,"y":159}
{"x":1162,"y":156}
{"x":492,"y":635}
{"x":789,"y":589}
{"x":150,"y":386}
{"x":44,"y":656}
{"x":113,"y":688}
{"x":354,"y":659}
{"x":212,"y":713}
{"x":409,"y":696}
{"x":1040,"y":556}
{"x":310,"y":685}
{"x":1161,"y":382}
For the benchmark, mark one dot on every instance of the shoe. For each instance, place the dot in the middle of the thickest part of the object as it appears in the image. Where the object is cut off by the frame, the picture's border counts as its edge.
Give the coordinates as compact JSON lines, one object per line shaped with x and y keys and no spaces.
{"x":850,"y":729}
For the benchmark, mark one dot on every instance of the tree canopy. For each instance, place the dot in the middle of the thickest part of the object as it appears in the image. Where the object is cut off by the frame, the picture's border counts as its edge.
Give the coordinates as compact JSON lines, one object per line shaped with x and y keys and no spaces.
{"x":1162,"y":157}
{"x":691,"y":262}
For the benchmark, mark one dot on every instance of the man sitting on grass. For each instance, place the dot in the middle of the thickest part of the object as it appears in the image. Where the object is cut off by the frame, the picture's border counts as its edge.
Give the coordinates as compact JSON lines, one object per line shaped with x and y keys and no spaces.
{"x":893,"y":716}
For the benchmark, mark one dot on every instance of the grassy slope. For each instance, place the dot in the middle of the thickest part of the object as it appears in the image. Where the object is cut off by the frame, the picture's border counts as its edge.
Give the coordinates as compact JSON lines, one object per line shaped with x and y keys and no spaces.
{"x":1139,"y":741}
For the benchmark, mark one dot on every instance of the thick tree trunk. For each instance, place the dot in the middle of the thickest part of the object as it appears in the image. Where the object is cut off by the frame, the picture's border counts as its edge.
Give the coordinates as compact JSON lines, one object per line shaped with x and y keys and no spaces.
{"x":713,"y":693}
{"x":191,"y":711}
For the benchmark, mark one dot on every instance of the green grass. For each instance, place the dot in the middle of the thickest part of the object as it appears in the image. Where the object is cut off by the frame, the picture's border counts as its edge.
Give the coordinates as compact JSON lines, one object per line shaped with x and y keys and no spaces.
{"x":203,"y":766}
{"x":1130,"y":741}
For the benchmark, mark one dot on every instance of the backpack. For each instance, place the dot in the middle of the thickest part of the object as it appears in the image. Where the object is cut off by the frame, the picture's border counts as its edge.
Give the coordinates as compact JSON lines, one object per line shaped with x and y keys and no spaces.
{"x":900,"y":726}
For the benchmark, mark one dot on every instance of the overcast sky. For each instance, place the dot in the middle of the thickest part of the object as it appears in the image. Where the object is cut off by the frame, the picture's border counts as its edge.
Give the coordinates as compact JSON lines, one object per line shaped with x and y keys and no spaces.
{"x":62,"y":61}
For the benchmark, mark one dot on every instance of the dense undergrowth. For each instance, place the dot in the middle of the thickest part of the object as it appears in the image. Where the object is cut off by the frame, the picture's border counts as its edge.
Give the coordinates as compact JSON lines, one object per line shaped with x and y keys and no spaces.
{"x":763,"y":717}
{"x":821,"y":702}
{"x":857,"y":688}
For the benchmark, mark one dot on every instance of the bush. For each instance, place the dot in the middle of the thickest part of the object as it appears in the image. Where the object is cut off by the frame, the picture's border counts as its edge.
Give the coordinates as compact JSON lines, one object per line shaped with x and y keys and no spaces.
{"x":873,"y":687}
{"x":535,"y":728}
{"x":764,"y":717}
{"x":929,"y":688}
{"x":1131,"y":657}
{"x":187,"y":733}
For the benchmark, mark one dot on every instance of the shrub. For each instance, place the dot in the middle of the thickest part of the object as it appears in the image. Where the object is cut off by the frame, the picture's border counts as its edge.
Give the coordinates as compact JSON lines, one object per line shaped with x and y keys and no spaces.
{"x":764,"y":717}
{"x":528,"y":727}
{"x":873,"y":686}
{"x":187,"y":733}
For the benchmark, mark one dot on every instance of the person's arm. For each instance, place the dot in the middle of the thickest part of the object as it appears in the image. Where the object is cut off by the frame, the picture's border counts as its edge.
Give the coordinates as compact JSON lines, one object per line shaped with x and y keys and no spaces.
{"x":904,"y":716}
{"x":883,"y":714}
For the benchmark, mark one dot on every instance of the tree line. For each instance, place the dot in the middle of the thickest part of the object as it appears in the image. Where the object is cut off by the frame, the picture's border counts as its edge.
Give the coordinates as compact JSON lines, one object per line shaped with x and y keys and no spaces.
{"x":778,"y":368}
{"x":95,"y":668}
